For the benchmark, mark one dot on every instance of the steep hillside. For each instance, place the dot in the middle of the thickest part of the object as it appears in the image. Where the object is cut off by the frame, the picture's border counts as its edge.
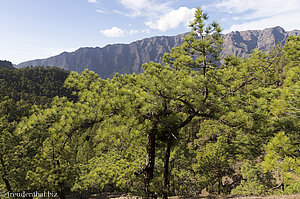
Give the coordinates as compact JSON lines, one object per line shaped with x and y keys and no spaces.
{"x":36,"y":85}
{"x":6,"y":64}
{"x":128,"y":58}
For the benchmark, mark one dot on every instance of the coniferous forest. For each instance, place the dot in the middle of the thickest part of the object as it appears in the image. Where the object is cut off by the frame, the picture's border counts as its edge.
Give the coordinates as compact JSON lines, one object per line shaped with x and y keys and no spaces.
{"x":178,"y":128}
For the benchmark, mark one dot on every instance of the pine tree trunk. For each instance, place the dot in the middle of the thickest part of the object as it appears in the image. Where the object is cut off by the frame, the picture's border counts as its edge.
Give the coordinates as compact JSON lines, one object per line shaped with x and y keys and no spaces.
{"x":62,"y":193}
{"x":4,"y":176}
{"x":166,"y":169}
{"x":150,"y":160}
{"x":282,"y":187}
{"x":7,"y":184}
{"x":219,"y":186}
{"x":282,"y":182}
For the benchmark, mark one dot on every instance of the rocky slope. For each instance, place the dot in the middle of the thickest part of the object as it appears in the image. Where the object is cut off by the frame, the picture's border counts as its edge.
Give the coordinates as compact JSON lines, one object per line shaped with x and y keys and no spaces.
{"x":128,"y":58}
{"x":242,"y":43}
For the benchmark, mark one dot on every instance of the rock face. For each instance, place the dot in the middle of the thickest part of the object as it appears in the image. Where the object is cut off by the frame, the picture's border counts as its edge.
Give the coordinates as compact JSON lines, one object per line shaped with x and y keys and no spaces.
{"x":242,"y":43}
{"x":128,"y":58}
{"x":121,"y":58}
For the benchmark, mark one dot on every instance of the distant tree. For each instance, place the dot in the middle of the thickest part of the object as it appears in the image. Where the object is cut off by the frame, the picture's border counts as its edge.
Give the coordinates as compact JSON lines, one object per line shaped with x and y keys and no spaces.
{"x":254,"y":181}
{"x":6,"y":64}
{"x":281,"y":159}
{"x":21,"y":89}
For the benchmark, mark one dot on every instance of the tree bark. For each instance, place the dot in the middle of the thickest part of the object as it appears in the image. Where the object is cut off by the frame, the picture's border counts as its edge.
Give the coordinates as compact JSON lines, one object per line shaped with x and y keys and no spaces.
{"x":62,"y":193}
{"x":166,"y":168}
{"x":150,"y":160}
{"x":4,"y":176}
{"x":282,"y":182}
{"x":282,"y":187}
{"x":219,"y":185}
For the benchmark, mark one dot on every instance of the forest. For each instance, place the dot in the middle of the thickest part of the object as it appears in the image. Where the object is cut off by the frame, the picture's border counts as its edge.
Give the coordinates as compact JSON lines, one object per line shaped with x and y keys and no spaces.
{"x":190,"y":124}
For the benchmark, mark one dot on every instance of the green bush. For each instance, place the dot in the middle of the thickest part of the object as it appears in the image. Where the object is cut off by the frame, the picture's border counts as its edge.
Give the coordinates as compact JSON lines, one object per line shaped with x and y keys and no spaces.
{"x":254,"y":181}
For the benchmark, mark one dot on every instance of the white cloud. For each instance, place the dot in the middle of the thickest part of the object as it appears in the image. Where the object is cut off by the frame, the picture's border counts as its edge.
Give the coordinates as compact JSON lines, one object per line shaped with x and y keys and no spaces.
{"x":259,"y":14}
{"x":134,"y":4}
{"x":92,"y":1}
{"x":257,"y":8}
{"x":133,"y":31}
{"x":159,"y":16}
{"x":149,"y":8}
{"x":137,"y":31}
{"x":147,"y":31}
{"x":172,"y":19}
{"x":113,"y":32}
{"x":101,"y":11}
{"x":117,"y":32}
{"x":287,"y":21}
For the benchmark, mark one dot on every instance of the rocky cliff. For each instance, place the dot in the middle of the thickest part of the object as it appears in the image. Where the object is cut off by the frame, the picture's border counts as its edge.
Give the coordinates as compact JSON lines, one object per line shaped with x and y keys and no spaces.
{"x":128,"y":58}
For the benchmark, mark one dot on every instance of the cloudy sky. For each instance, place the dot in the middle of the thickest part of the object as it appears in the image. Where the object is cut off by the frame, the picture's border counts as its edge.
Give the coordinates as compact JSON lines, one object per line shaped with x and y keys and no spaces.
{"x":33,"y":29}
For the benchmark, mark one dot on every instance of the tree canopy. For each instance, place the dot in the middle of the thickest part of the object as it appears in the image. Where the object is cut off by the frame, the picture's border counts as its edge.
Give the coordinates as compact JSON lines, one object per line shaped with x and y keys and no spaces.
{"x":177,"y":128}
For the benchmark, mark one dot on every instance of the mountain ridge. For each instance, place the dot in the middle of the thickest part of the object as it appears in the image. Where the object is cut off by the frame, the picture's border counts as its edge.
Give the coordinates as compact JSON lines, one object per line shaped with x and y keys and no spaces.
{"x":128,"y":58}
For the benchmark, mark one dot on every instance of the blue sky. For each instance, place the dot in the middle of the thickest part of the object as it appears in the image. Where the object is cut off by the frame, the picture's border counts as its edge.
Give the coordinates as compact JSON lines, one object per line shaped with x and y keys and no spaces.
{"x":34,"y":29}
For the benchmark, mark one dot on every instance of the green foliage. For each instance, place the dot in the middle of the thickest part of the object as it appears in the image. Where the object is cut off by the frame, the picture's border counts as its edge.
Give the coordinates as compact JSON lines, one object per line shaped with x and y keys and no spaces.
{"x":254,"y":181}
{"x":37,"y":85}
{"x":281,"y":159}
{"x":293,"y":188}
{"x":115,"y":173}
{"x":201,"y":48}
{"x":20,"y":90}
{"x":213,"y":163}
{"x":214,"y":157}
{"x":10,"y":114}
{"x":292,"y":48}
